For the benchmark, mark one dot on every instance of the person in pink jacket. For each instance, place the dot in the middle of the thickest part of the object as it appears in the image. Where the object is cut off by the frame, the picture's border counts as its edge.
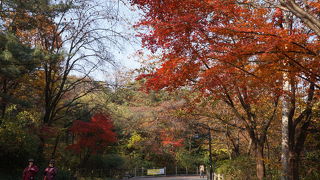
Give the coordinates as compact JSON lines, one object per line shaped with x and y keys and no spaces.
{"x":50,"y":172}
{"x":30,"y":171}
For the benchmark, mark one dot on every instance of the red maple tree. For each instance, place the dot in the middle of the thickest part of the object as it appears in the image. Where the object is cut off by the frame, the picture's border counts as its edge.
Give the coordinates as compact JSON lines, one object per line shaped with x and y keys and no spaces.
{"x":93,"y":136}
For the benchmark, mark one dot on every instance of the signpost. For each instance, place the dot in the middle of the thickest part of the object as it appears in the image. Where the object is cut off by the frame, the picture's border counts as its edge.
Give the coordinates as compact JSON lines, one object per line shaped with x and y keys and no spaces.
{"x":152,"y":172}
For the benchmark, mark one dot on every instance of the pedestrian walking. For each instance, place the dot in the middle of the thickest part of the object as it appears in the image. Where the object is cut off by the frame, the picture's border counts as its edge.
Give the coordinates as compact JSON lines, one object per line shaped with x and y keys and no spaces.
{"x":201,"y":171}
{"x":30,"y":171}
{"x":50,"y":172}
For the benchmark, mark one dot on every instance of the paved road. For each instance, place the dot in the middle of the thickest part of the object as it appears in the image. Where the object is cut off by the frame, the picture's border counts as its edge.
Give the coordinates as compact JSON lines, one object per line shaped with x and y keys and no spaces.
{"x":171,"y":178}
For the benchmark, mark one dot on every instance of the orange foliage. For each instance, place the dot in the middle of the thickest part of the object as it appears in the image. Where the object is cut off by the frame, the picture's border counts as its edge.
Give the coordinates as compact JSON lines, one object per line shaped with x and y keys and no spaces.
{"x":35,"y":29}
{"x":220,"y":43}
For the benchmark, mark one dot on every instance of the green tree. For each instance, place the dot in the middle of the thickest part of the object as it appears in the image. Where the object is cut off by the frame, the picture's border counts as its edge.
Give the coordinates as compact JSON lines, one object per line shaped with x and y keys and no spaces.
{"x":17,"y":61}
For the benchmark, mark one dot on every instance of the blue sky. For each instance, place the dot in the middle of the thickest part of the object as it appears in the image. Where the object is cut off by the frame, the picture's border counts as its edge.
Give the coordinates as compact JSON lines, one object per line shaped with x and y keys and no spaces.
{"x":124,"y":55}
{"x":118,"y":18}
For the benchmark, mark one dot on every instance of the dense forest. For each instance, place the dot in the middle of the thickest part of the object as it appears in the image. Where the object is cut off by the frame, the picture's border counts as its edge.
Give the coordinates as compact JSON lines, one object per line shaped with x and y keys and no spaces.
{"x":229,"y":84}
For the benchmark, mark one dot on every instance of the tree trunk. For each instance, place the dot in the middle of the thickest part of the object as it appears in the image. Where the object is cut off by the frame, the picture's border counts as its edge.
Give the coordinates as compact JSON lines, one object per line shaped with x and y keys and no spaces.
{"x":47,"y":114}
{"x":249,"y":147}
{"x":53,"y":154}
{"x":40,"y":149}
{"x":294,"y":159}
{"x":3,"y":99}
{"x":260,"y":166}
{"x":235,"y":144}
{"x":299,"y":134}
{"x":3,"y":109}
{"x":285,"y":129}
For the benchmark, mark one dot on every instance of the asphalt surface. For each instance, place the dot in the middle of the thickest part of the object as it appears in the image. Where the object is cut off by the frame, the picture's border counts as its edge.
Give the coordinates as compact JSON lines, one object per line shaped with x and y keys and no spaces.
{"x":171,"y":178}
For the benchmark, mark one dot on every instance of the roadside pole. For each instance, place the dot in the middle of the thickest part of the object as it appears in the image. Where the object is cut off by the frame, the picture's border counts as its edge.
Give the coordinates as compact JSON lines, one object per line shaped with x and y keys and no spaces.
{"x":210,"y":153}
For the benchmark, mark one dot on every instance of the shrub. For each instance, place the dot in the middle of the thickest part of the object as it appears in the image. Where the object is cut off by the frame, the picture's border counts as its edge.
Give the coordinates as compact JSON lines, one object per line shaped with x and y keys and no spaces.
{"x":241,"y":168}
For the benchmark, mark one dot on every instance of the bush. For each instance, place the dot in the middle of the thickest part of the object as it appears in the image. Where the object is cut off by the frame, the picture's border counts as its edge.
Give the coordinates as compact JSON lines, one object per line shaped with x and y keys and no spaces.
{"x":10,"y":176}
{"x":241,"y":168}
{"x":109,"y":161}
{"x":17,"y":145}
{"x":309,"y":169}
{"x":63,"y":175}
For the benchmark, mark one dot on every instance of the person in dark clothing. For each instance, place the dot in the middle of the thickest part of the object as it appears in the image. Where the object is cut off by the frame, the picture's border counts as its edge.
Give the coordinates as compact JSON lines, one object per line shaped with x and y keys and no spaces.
{"x":50,"y":172}
{"x":30,"y":171}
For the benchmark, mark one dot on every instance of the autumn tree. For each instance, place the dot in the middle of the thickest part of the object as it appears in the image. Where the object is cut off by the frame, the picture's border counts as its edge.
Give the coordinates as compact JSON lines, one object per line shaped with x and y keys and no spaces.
{"x":49,"y":50}
{"x":307,"y":12}
{"x":148,"y":134}
{"x":231,"y":45}
{"x":19,"y":58}
{"x":74,"y":38}
{"x":92,"y":137}
{"x":293,"y":15}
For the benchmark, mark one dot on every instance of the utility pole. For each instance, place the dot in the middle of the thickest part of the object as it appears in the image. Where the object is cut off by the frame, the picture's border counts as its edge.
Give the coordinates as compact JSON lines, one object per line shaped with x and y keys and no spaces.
{"x":210,"y":153}
{"x":206,"y":126}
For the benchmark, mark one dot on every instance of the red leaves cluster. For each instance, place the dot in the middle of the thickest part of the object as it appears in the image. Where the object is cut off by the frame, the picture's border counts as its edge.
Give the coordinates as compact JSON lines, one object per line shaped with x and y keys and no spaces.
{"x":215,"y":45}
{"x":94,"y":135}
{"x":171,"y":142}
{"x":168,"y":139}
